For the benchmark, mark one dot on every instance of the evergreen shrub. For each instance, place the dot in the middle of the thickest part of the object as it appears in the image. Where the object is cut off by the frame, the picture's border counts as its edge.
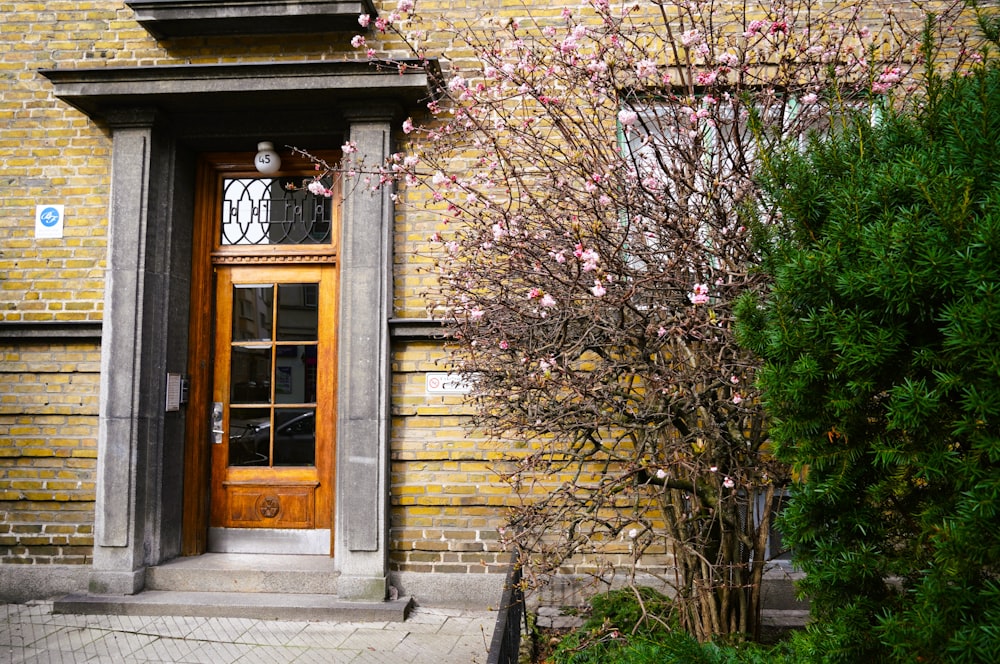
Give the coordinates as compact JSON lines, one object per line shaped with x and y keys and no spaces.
{"x":880,"y":335}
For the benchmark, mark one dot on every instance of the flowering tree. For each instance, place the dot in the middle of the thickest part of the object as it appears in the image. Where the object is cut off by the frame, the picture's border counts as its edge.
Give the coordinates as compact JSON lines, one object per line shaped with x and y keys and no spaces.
{"x":588,"y":169}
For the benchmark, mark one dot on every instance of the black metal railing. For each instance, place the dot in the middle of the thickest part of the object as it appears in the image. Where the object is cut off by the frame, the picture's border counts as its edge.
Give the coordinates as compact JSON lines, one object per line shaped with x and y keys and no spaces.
{"x":506,"y":644}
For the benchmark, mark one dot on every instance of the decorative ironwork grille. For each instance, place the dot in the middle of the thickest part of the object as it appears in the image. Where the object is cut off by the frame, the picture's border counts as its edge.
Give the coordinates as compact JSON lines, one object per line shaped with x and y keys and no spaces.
{"x":266,"y":211}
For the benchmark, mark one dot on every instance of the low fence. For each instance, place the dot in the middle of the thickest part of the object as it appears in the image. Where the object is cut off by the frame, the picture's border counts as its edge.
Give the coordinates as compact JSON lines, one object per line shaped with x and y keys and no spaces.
{"x":506,"y":644}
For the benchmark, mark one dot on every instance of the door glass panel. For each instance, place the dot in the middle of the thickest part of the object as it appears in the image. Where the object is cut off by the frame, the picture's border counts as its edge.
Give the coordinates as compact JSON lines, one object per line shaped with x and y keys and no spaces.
{"x":295,"y":375}
{"x":273,"y":383}
{"x":298,"y":314}
{"x":253,"y":308}
{"x":250,"y":437}
{"x":295,"y":437}
{"x":250,"y":374}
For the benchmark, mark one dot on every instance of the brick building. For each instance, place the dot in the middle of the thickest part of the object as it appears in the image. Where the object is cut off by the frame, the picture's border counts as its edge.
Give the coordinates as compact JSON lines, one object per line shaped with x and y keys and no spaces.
{"x":197,"y":358}
{"x":155,"y":348}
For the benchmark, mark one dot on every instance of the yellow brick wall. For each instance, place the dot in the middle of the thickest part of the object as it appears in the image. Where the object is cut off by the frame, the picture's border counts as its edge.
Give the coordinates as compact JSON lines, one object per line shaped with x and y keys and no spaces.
{"x":48,"y":450}
{"x":446,"y":499}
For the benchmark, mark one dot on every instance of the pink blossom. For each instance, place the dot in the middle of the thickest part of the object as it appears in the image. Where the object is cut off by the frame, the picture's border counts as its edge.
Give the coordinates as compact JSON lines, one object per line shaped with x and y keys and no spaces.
{"x":737,"y":398}
{"x":727,"y":59}
{"x":699,"y":294}
{"x":596,"y":68}
{"x":476,"y":314}
{"x":690,"y":37}
{"x":754,"y":27}
{"x":503,"y":344}
{"x":364,"y":20}
{"x":645,"y":68}
{"x":661,"y":332}
{"x":660,"y":473}
{"x":548,"y":301}
{"x":734,"y":380}
{"x":728,"y":482}
{"x":316,"y":188}
{"x":810,"y":98}
{"x":405,"y":6}
{"x":598,"y":290}
{"x":357,"y":41}
{"x":558,"y":256}
{"x":350,"y":147}
{"x":627,"y":117}
{"x":707,"y":77}
{"x":889,"y":77}
{"x":407,"y":125}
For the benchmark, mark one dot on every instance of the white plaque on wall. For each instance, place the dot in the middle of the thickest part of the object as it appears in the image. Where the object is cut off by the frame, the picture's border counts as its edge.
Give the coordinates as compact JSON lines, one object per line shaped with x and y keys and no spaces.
{"x":49,"y":220}
{"x":447,"y":383}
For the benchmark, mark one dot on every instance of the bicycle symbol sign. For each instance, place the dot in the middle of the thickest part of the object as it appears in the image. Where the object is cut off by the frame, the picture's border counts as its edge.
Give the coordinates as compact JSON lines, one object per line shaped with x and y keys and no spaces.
{"x":49,"y":217}
{"x":49,"y":220}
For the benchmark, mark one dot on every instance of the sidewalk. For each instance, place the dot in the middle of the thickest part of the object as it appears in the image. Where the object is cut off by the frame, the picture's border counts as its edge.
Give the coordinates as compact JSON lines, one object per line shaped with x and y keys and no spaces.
{"x":31,"y":634}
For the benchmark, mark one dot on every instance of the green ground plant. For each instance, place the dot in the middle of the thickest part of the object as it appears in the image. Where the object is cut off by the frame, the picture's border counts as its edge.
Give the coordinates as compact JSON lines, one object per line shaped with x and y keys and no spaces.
{"x":638,"y":626}
{"x":881,"y":340}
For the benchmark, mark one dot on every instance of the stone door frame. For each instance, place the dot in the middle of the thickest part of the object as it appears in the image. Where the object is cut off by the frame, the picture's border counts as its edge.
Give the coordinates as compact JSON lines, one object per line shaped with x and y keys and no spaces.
{"x":159,"y":119}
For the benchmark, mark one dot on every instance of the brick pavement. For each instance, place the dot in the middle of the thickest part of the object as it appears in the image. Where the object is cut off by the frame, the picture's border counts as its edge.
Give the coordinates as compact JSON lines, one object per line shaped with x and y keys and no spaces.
{"x":32,"y":634}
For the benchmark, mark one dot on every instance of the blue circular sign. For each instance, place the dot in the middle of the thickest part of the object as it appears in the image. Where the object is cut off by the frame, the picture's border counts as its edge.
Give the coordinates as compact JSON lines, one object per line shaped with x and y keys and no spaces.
{"x":49,"y":217}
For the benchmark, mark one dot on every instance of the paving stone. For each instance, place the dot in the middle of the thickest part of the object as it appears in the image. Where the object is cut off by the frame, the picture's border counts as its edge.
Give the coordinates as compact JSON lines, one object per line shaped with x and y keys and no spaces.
{"x":31,"y":634}
{"x":17,"y":655}
{"x":373,"y":639}
{"x":213,"y":652}
{"x":322,"y":635}
{"x":164,"y":650}
{"x":273,"y":633}
{"x":270,"y":655}
{"x":327,"y":656}
{"x":429,"y":647}
{"x":21,"y":634}
{"x":176,"y":627}
{"x":225,"y":630}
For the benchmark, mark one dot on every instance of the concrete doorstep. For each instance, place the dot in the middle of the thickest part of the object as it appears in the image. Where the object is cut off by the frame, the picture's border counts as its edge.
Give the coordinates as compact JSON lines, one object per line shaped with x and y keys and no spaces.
{"x":257,"y":606}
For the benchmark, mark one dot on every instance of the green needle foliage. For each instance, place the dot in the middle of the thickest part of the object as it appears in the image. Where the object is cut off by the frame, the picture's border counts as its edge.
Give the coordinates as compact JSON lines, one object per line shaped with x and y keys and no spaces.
{"x":880,"y":335}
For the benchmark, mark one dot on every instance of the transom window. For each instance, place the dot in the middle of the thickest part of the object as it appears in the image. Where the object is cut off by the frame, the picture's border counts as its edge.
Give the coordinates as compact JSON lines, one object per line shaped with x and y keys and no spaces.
{"x":270,"y":211}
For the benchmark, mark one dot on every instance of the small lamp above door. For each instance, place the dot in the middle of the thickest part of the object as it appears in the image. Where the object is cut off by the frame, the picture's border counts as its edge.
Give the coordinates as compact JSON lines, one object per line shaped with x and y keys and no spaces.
{"x":267,"y":160}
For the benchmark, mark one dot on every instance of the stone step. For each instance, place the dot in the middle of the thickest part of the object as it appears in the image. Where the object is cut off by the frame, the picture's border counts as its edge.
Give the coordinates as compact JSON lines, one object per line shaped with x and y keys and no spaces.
{"x":256,"y":606}
{"x":775,"y":624}
{"x":778,"y":590}
{"x":246,"y":573}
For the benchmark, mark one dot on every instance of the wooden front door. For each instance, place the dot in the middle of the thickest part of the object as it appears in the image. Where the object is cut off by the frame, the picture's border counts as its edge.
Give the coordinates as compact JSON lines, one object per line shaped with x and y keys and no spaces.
{"x":260,"y":435}
{"x":273,"y":396}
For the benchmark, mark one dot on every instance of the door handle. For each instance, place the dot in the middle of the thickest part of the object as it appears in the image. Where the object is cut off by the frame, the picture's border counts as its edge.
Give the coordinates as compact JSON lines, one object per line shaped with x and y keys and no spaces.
{"x":217,"y":430}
